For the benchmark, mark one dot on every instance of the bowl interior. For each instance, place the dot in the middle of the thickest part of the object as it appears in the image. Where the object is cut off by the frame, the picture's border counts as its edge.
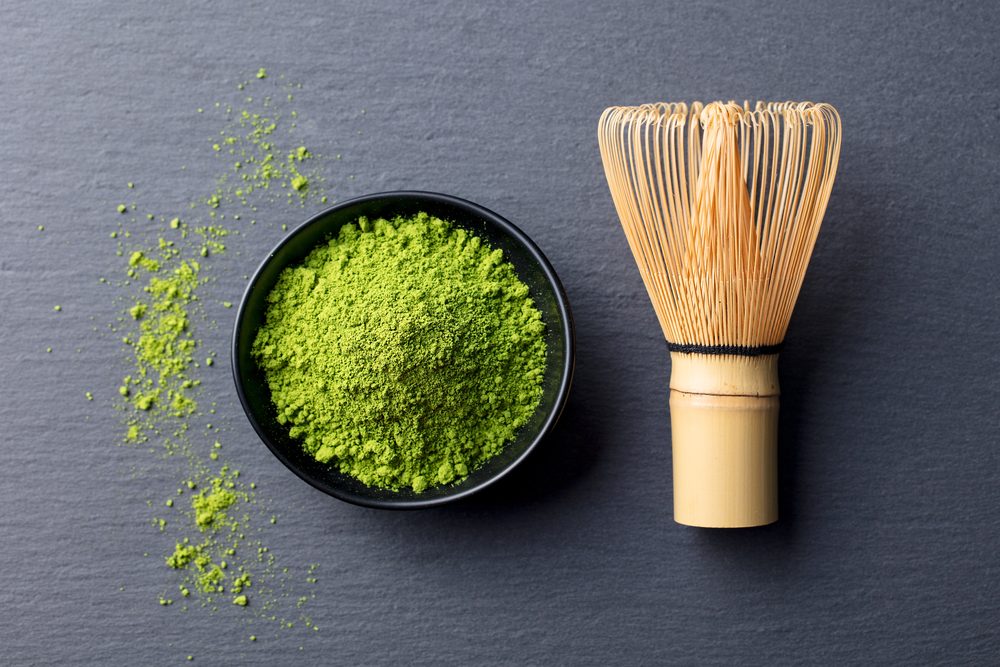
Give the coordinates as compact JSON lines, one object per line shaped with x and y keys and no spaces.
{"x":531,"y":267}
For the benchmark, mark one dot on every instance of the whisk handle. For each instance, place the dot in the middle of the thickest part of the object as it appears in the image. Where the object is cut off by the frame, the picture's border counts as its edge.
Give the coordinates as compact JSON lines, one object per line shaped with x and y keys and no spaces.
{"x":724,"y":423}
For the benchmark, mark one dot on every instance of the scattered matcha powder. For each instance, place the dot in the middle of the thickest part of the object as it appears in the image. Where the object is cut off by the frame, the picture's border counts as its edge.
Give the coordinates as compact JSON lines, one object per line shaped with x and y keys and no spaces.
{"x":404,"y":352}
{"x":216,"y":533}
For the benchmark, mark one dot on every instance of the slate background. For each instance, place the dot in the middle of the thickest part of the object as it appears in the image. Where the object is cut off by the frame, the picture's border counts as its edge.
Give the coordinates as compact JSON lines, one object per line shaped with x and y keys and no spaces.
{"x":887,"y":549}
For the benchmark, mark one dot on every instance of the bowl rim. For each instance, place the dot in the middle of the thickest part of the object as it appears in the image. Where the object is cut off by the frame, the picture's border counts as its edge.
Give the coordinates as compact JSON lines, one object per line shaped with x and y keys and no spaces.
{"x":562,"y":304}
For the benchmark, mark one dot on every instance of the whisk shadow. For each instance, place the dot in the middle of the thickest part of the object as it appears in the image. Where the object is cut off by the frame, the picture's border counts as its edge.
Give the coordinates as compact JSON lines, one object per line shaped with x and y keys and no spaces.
{"x":774,"y":538}
{"x":822,"y":320}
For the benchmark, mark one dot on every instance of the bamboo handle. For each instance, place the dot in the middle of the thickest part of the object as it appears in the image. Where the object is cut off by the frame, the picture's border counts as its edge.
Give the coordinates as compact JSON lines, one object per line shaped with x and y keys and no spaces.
{"x":724,"y":422}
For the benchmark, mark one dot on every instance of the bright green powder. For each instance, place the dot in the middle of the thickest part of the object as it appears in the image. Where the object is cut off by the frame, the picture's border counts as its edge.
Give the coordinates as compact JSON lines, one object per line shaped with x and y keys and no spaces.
{"x":214,"y":520}
{"x":405,"y":352}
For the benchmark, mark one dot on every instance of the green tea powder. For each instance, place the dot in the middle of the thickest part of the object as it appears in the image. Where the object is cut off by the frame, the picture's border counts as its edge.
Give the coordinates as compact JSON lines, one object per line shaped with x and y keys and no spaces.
{"x":405,"y":352}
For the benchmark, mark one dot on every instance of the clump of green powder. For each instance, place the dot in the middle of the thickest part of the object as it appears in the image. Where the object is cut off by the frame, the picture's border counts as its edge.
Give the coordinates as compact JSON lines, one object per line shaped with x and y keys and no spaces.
{"x":211,"y":503}
{"x":405,"y":352}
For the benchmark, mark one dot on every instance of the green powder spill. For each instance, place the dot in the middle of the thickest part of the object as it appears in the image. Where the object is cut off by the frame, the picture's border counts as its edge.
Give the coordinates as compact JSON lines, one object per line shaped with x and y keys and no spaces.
{"x":405,"y":352}
{"x":213,"y":520}
{"x":210,"y":505}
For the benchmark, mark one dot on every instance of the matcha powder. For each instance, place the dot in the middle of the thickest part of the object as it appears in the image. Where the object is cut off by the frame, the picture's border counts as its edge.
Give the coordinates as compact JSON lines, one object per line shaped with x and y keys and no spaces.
{"x":209,"y":520}
{"x":404,"y":352}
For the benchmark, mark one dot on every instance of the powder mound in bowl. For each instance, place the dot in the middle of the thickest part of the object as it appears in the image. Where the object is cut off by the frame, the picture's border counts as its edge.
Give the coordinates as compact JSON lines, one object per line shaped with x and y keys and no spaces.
{"x":405,"y":352}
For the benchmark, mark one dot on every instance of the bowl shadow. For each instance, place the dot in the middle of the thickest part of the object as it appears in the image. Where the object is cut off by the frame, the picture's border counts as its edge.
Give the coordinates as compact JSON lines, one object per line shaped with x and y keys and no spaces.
{"x":531,"y":267}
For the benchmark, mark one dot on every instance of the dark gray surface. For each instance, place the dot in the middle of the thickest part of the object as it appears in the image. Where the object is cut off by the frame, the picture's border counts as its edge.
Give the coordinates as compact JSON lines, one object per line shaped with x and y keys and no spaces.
{"x":887,"y":549}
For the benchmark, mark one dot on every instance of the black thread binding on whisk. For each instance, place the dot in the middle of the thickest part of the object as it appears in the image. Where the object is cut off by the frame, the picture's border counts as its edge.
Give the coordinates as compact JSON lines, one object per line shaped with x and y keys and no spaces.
{"x":738,"y":350}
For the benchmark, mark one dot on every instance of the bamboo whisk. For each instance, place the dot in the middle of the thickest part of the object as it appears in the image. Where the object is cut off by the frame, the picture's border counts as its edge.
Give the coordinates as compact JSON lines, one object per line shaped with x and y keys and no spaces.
{"x":721,"y":205}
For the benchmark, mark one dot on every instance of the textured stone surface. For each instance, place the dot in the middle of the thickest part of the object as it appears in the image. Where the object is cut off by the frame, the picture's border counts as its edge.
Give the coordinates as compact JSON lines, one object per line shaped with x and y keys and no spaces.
{"x":890,"y":472}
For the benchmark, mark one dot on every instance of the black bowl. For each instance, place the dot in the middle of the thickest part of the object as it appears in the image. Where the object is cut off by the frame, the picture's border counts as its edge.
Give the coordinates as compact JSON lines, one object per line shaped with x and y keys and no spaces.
{"x":529,"y":264}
